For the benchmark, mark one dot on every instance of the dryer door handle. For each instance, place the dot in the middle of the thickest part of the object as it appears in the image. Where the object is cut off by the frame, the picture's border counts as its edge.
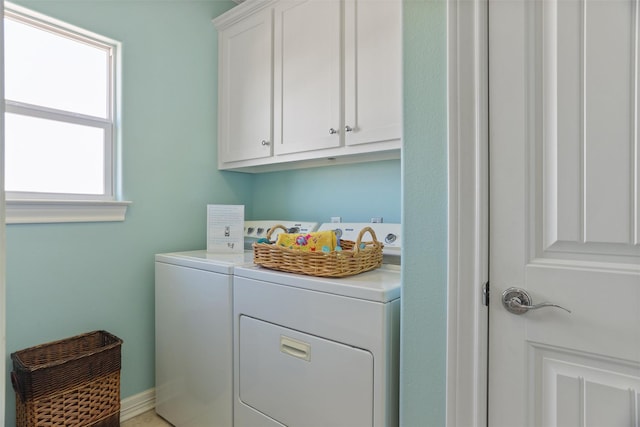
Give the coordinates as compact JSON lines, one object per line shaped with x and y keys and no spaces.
{"x":295,"y":348}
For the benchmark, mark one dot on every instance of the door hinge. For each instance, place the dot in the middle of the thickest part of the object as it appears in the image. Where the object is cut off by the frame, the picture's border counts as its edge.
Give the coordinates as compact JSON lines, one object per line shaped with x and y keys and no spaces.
{"x":485,"y":293}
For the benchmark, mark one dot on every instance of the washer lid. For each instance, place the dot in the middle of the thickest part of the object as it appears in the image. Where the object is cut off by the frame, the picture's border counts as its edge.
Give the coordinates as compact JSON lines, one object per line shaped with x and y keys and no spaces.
{"x":203,"y":260}
{"x":380,"y":285}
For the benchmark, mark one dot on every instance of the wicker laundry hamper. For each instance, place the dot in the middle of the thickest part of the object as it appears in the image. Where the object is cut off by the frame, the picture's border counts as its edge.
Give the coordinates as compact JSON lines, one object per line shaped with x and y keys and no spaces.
{"x":71,"y":382}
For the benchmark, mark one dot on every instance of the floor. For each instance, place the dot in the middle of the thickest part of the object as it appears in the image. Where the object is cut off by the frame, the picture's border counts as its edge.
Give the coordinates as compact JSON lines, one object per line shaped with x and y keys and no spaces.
{"x":148,"y":419}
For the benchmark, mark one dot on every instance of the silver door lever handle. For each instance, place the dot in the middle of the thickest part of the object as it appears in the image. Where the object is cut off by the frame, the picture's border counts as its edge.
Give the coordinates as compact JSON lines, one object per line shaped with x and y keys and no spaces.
{"x":518,"y":301}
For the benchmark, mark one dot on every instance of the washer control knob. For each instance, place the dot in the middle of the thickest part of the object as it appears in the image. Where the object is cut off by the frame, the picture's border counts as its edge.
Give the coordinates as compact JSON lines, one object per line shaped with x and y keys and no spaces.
{"x":390,"y":238}
{"x":250,"y":230}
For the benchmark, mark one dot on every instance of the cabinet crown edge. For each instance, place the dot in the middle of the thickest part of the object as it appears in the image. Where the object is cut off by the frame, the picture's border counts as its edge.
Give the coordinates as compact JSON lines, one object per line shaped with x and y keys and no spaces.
{"x":241,"y":11}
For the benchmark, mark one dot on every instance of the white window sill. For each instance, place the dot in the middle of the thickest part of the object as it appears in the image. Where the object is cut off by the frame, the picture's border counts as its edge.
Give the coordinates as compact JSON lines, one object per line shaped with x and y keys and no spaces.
{"x":47,"y":211}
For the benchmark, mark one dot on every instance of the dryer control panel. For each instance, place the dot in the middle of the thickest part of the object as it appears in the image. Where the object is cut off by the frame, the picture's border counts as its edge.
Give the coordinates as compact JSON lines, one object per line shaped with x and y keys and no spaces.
{"x":389,"y":234}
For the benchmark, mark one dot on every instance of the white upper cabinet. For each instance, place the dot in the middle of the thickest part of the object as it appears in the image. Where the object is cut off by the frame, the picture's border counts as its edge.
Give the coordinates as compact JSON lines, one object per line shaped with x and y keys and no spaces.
{"x":372,"y":71}
{"x":245,"y":89}
{"x":319,"y":81}
{"x":307,"y":70}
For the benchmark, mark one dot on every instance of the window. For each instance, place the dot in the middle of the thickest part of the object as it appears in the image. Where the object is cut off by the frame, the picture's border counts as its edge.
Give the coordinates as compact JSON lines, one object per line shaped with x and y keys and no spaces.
{"x":59,"y":121}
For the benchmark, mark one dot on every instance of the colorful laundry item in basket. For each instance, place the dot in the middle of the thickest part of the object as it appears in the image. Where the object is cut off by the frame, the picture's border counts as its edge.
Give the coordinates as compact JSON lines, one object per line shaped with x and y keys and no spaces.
{"x":317,"y":241}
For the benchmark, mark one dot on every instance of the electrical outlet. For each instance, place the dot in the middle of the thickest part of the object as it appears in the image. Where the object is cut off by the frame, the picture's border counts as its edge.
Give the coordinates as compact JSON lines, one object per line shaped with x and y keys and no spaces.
{"x":376,"y":219}
{"x":336,"y":219}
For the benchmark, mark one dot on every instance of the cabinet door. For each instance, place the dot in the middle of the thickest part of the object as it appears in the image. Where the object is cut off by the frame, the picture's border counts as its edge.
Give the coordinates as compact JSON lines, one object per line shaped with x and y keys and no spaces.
{"x":373,"y":80}
{"x":245,"y":107}
{"x":307,"y":70}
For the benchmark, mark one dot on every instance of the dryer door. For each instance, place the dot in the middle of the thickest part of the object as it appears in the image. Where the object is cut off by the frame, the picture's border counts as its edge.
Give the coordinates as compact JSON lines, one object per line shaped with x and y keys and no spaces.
{"x":303,"y":380}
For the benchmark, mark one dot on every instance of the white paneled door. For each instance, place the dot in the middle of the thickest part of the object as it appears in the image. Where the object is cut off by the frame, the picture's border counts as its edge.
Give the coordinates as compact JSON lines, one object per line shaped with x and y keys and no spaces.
{"x":565,"y":212}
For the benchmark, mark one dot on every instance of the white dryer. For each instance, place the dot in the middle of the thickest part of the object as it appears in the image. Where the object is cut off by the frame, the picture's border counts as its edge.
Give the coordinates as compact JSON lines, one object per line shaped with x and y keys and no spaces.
{"x":194,"y":336}
{"x":316,"y":352}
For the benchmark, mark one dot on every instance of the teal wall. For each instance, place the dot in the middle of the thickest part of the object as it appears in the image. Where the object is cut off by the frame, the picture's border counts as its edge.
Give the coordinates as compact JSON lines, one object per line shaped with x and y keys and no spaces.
{"x":354,"y":192}
{"x":64,"y":279}
{"x":424,"y":215}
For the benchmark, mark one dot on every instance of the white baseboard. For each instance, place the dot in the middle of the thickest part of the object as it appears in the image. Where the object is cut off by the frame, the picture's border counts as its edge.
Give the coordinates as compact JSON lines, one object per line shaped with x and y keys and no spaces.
{"x":137,"y":404}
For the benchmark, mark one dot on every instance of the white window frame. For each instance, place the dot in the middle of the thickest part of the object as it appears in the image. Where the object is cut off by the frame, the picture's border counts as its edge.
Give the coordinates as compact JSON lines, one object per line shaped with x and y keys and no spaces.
{"x":31,"y":207}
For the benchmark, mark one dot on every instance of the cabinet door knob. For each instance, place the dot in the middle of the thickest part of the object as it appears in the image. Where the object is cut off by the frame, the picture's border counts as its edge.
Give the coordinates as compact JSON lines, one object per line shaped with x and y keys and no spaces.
{"x":332,"y":131}
{"x":265,"y":142}
{"x":348,"y":128}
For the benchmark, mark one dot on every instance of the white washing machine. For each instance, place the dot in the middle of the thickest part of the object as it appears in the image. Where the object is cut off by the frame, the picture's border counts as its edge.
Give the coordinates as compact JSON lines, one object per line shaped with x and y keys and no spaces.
{"x":317,"y":352}
{"x":194,"y":336}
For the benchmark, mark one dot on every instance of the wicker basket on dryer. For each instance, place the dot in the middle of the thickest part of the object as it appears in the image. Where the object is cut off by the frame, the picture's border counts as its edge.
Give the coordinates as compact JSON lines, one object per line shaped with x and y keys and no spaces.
{"x":354,"y":258}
